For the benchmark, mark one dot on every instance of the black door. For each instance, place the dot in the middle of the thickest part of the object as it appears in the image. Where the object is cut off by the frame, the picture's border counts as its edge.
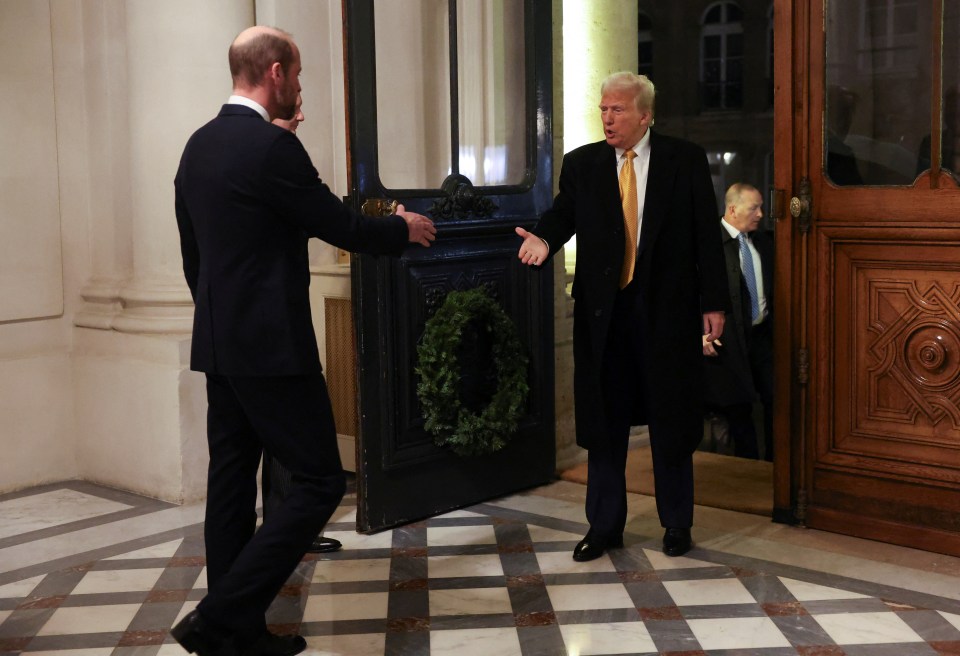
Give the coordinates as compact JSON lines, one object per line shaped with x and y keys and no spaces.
{"x":450,"y":107}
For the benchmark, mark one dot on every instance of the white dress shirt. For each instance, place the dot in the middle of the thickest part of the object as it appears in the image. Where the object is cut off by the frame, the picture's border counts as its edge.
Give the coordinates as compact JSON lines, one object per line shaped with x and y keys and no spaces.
{"x":252,"y":104}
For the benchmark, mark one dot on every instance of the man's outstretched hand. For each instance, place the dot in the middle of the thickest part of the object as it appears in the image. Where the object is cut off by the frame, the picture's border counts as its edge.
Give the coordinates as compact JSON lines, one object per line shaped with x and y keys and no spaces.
{"x":421,"y":229}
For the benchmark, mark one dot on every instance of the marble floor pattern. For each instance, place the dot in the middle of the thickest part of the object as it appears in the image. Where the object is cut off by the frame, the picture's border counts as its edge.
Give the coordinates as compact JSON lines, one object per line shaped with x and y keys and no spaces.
{"x":89,"y":571}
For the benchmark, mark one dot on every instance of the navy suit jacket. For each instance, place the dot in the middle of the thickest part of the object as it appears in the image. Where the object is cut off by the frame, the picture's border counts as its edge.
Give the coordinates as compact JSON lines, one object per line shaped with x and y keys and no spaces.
{"x":247,"y":200}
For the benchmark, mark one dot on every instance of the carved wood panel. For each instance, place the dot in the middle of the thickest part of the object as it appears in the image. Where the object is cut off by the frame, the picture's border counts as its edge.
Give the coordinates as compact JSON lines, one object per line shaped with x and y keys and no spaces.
{"x":890,"y":320}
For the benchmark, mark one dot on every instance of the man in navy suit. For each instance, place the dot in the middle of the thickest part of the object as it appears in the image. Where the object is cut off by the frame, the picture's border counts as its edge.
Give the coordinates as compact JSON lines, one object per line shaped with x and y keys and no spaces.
{"x":741,"y":366}
{"x":247,"y":200}
{"x":649,"y":280}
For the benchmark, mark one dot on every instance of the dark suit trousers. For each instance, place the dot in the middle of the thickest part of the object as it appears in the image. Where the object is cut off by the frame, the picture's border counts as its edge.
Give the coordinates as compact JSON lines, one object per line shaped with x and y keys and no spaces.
{"x":624,"y":393}
{"x":292,"y":418}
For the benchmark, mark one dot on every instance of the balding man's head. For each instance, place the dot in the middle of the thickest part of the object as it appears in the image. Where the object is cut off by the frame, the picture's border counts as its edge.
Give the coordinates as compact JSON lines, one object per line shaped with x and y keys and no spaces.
{"x":255,"y":50}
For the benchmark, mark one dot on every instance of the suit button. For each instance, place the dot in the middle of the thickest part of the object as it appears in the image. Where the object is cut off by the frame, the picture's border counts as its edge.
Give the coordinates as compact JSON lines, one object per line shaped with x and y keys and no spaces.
{"x":598,"y":313}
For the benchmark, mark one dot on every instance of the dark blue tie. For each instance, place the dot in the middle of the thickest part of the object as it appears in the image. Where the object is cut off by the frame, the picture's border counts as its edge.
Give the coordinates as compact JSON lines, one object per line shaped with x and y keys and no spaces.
{"x":749,"y":276}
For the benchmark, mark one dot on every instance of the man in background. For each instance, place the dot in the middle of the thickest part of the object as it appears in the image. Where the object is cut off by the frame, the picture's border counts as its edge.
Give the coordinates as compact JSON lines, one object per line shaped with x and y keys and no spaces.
{"x":275,"y":480}
{"x":740,"y":367}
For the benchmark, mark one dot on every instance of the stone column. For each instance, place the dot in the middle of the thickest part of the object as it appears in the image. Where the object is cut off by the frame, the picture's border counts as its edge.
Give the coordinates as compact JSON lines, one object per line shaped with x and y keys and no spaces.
{"x":172,"y":76}
{"x":598,"y":37}
{"x":601,"y":38}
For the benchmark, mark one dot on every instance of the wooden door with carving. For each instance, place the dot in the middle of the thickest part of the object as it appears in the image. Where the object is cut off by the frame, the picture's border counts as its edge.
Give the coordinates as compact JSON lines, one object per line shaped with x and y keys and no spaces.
{"x":871,"y":264}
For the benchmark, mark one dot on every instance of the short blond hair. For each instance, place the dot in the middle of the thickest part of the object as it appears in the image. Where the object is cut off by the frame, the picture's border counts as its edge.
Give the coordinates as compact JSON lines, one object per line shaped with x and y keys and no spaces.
{"x":640,"y":86}
{"x":735,"y":191}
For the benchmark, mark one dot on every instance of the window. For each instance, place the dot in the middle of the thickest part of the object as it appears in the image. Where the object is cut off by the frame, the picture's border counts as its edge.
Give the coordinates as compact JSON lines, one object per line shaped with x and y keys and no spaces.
{"x":721,"y":57}
{"x":645,"y":45}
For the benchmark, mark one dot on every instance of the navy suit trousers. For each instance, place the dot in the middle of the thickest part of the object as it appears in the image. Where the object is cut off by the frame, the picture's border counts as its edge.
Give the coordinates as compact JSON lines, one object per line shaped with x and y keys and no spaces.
{"x":291,"y":417}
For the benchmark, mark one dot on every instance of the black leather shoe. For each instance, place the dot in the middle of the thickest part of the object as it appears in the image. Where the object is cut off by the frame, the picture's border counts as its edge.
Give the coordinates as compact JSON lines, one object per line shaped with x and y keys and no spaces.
{"x":197,"y":636}
{"x":676,"y":541}
{"x":271,"y":644}
{"x":324,"y":545}
{"x":592,"y":546}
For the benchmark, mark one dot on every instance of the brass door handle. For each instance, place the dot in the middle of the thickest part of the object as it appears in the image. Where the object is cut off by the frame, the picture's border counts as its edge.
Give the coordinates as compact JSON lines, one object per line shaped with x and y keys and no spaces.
{"x":797,"y":207}
{"x":379,"y":207}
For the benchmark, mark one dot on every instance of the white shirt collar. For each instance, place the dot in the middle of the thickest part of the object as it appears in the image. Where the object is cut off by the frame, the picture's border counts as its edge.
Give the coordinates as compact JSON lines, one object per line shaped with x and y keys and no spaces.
{"x":642,"y":146}
{"x":252,"y":104}
{"x":734,"y":233}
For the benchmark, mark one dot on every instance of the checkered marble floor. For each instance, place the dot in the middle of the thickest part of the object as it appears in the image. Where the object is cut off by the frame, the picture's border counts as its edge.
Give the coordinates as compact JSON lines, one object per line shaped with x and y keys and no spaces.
{"x":87,"y":571}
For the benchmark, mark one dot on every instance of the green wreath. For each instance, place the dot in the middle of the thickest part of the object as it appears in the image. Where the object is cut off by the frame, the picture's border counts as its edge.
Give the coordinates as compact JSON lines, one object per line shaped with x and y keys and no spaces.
{"x":445,"y":417}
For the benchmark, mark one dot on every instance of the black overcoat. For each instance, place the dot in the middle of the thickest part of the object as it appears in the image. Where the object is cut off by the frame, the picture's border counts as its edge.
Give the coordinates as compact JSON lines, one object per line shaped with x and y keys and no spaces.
{"x":729,"y":380}
{"x":679,"y":269}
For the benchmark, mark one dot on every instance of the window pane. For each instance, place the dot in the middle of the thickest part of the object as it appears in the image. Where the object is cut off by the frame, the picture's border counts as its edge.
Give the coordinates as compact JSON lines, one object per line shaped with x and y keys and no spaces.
{"x":713,"y":16}
{"x":491,"y":80}
{"x":734,"y":13}
{"x":711,"y":47}
{"x":413,"y":65}
{"x":877,"y":111}
{"x":734,"y":45}
{"x":950,"y":134}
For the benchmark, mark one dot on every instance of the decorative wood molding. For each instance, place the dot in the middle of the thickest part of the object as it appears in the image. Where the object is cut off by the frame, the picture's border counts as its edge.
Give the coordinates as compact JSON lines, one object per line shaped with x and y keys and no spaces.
{"x":461,"y":201}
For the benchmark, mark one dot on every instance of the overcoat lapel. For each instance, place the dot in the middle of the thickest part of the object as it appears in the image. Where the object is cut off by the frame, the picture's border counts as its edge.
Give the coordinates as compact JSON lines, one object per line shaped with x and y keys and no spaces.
{"x":660,"y":175}
{"x":608,"y":186}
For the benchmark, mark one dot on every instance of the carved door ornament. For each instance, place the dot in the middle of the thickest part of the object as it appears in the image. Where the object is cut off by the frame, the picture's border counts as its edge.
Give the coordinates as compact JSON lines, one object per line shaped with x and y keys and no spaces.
{"x":461,"y":201}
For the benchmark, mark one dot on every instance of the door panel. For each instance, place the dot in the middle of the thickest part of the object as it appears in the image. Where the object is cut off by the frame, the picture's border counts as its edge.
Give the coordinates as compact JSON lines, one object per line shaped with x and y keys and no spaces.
{"x":875,"y":398}
{"x":462,"y":134}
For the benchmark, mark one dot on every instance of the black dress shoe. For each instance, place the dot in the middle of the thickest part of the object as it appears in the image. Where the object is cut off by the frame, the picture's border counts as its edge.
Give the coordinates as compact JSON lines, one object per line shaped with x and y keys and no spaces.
{"x":676,"y":541}
{"x":592,"y":546}
{"x":271,"y":644}
{"x":197,"y":636}
{"x":324,"y":545}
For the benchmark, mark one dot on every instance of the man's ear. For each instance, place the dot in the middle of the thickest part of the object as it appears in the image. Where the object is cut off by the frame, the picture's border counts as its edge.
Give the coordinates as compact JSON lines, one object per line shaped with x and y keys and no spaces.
{"x":275,"y":72}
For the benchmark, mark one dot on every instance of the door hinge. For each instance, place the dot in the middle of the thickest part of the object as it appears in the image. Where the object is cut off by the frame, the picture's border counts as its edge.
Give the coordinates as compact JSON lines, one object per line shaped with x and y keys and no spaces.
{"x":776,"y":203}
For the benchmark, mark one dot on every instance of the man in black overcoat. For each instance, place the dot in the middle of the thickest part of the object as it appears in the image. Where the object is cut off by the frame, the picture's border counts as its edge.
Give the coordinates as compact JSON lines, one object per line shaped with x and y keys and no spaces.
{"x":740,"y":366}
{"x":642,"y":304}
{"x":247,"y":200}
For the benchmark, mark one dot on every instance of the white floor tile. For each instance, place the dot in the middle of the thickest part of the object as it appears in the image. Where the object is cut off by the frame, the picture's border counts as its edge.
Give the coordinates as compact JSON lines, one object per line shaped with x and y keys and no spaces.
{"x":90,"y":619}
{"x":4,"y":614}
{"x":441,"y":567}
{"x":359,"y":606}
{"x":360,"y":644}
{"x":467,"y":601}
{"x":804,"y":591}
{"x":867,"y":628}
{"x":953,"y":619}
{"x":543,"y":534}
{"x":165,"y":550}
{"x":737,"y":633}
{"x":368,"y":569}
{"x":119,"y":580}
{"x":461,"y":514}
{"x":589,"y":596}
{"x":445,"y":536}
{"x":201,"y":582}
{"x":709,"y":592}
{"x":562,"y":562}
{"x":19,"y":589}
{"x":53,"y":508}
{"x":354,"y":540}
{"x":660,"y":560}
{"x":106,"y":651}
{"x":188,"y":606}
{"x":475,"y":642}
{"x":344,"y":514}
{"x":607,"y":638}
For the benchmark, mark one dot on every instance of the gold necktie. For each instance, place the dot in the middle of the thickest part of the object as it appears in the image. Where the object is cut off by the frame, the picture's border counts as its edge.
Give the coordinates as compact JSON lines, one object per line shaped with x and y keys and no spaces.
{"x":628,"y":197}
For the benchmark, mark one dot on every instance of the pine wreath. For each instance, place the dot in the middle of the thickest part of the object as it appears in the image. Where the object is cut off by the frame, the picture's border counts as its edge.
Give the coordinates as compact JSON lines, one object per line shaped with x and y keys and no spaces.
{"x":446,"y":417}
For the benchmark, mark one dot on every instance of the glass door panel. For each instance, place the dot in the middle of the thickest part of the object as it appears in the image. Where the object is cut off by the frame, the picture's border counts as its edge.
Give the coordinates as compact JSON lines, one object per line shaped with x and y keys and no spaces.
{"x":878,"y":91}
{"x":413,"y":93}
{"x":950,"y":109}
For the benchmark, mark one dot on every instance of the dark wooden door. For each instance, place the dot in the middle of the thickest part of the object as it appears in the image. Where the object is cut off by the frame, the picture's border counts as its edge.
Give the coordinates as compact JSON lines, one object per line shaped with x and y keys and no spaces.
{"x":449,"y":108}
{"x":870,"y":263}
